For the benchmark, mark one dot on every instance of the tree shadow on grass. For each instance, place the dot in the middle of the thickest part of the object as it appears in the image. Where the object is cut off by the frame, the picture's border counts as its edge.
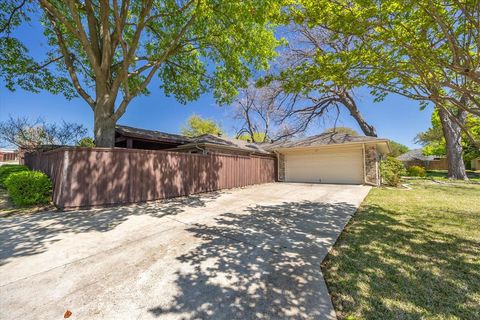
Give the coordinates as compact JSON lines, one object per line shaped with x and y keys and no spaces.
{"x":262,"y":263}
{"x":386,"y":267}
{"x":30,"y":234}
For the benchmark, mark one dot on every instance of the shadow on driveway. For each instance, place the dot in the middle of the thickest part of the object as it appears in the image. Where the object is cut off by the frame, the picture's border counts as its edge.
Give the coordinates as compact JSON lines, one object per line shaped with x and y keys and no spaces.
{"x":30,"y":235}
{"x":270,"y":268}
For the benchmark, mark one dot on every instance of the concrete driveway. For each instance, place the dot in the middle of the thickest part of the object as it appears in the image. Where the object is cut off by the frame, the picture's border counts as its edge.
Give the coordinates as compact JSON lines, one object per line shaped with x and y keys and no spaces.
{"x":237,"y":254}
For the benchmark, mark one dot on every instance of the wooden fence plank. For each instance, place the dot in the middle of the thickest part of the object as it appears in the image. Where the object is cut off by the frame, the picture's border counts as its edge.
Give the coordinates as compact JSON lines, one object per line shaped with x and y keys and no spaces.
{"x":86,"y":177}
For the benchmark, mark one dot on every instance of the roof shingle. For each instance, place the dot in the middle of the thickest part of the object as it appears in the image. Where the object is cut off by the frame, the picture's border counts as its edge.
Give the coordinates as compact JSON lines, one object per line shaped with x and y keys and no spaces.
{"x":320,"y":139}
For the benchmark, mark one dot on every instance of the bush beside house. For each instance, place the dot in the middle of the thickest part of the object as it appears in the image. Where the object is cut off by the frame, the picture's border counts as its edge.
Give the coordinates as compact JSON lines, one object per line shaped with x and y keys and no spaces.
{"x":391,"y":170}
{"x":416,"y":171}
{"x":29,"y":188}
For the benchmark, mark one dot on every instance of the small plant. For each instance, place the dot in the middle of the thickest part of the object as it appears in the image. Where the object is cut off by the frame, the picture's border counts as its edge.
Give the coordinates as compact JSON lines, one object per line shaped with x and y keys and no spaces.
{"x":29,"y":188}
{"x":391,"y":169}
{"x":416,"y":171}
{"x":8,"y":169}
{"x":86,"y":142}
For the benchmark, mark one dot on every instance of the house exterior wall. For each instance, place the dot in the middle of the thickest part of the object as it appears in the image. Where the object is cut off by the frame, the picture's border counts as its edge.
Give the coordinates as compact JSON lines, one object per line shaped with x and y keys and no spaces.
{"x":327,"y":164}
{"x":8,"y":156}
{"x":372,"y":174}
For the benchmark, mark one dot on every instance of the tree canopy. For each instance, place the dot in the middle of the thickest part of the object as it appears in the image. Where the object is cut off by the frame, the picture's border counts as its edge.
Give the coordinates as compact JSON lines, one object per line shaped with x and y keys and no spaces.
{"x":107,"y":52}
{"x":423,"y":49}
{"x":197,"y":126}
{"x":303,"y":96}
{"x":426,"y":50}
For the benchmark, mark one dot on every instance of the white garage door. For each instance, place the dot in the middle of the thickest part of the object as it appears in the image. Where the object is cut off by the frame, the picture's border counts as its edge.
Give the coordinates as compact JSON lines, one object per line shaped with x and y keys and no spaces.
{"x":325,"y":166}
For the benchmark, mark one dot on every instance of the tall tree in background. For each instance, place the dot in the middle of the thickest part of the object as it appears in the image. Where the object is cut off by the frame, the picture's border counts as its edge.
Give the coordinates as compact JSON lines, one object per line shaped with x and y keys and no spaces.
{"x":310,"y":92}
{"x":26,"y":134}
{"x":425,"y":50}
{"x":197,"y":126}
{"x":434,"y":142}
{"x":258,"y":111}
{"x":107,"y":52}
{"x":397,"y":148}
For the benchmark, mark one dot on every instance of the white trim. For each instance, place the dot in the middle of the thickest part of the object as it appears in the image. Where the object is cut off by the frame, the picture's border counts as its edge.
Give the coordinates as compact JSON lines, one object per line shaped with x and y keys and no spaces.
{"x":334,"y":145}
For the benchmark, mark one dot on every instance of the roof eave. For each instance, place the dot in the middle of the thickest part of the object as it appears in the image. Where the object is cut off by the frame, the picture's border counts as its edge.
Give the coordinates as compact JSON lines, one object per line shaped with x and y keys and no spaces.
{"x":333,"y":145}
{"x":221,"y":146}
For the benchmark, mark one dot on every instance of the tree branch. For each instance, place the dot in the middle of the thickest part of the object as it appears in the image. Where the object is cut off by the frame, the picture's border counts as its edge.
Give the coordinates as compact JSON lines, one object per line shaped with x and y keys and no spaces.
{"x":69,"y":63}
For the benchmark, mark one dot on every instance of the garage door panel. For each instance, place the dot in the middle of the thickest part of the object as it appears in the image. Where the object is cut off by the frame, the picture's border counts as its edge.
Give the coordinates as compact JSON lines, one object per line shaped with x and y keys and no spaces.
{"x":327,"y":166}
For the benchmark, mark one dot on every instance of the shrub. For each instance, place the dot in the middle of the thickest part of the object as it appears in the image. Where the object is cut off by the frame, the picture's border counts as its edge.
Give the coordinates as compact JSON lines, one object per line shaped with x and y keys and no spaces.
{"x":8,"y":169}
{"x":29,"y":188}
{"x":391,"y":170}
{"x":86,"y":142}
{"x":416,"y":171}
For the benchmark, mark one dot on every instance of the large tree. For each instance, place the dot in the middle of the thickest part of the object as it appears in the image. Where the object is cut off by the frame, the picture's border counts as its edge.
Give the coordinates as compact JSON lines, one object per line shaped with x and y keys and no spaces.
{"x":308,"y":96}
{"x":257,"y":111}
{"x":426,"y":50}
{"x":107,"y":52}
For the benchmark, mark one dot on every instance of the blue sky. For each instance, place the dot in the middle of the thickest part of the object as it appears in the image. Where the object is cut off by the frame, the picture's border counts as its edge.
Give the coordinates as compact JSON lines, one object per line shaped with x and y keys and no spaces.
{"x":396,"y":118}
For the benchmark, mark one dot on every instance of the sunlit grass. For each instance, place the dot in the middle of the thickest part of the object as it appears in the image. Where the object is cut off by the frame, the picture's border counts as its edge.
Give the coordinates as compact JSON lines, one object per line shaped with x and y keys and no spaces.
{"x":410,"y":254}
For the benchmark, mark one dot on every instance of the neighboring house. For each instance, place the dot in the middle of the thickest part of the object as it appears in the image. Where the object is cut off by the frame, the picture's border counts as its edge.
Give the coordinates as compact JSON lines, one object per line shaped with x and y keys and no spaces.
{"x":475,"y":164}
{"x":135,"y":138}
{"x":326,"y":158}
{"x":330,"y":158}
{"x":8,"y":155}
{"x":208,"y":143}
{"x":417,"y":158}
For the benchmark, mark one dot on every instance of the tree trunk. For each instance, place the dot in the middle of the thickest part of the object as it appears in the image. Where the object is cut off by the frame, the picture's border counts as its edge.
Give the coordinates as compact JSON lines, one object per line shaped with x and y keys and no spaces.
{"x":350,"y":104}
{"x":453,"y":143}
{"x":104,"y":126}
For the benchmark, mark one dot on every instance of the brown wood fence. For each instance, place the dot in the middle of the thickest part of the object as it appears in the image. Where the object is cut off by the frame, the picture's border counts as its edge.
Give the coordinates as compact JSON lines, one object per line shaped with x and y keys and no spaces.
{"x":92,"y":177}
{"x":438,"y":164}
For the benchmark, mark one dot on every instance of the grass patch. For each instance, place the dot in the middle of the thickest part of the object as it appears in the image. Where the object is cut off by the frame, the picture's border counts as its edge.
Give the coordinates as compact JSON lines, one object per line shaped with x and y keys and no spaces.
{"x":473,"y":176}
{"x":410,"y":254}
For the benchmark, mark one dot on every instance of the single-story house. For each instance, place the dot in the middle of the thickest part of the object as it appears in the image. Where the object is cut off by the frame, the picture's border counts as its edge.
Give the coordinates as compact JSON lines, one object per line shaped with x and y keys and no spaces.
{"x":330,"y":158}
{"x":326,"y":158}
{"x":136,"y":138}
{"x":417,"y":158}
{"x":8,"y":155}
{"x":208,"y":143}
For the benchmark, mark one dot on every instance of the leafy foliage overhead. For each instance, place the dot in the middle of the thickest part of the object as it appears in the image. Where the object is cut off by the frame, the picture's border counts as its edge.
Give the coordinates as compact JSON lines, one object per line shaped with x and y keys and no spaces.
{"x":108,"y":52}
{"x":423,"y":49}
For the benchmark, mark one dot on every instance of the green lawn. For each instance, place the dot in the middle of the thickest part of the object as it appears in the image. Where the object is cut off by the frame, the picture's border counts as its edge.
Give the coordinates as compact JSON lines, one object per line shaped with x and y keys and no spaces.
{"x":473,"y":176}
{"x":410,"y":254}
